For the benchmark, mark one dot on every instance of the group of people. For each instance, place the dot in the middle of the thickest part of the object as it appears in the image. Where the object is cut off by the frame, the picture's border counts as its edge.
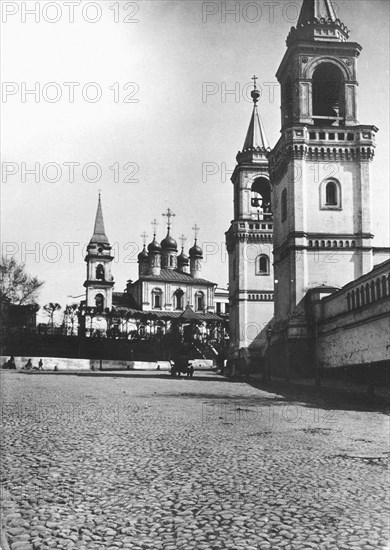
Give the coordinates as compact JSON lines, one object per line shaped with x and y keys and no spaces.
{"x":29,"y":365}
{"x":10,"y":364}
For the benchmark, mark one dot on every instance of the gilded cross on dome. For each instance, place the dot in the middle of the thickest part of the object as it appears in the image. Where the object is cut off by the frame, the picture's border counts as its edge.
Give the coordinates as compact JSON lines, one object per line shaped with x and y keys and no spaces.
{"x":144,"y":237}
{"x":196,"y":230}
{"x":154,"y":224}
{"x":254,"y":78}
{"x":169,"y":215}
{"x":183,"y":239}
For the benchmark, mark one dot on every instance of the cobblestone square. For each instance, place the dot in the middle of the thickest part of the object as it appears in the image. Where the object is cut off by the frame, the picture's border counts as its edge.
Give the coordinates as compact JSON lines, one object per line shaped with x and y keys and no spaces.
{"x":163,"y":464}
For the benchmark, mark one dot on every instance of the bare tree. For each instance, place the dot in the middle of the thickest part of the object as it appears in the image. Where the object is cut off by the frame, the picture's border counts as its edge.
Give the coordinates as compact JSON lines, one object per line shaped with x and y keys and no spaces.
{"x":50,"y":309}
{"x":70,"y":315}
{"x":17,"y":287}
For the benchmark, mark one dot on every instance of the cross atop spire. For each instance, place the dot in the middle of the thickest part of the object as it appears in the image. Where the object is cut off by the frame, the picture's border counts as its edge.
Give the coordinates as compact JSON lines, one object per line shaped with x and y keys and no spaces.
{"x":196,"y":230}
{"x":154,"y":224}
{"x":254,"y":78}
{"x":99,"y":234}
{"x":183,"y":239}
{"x":169,"y":215}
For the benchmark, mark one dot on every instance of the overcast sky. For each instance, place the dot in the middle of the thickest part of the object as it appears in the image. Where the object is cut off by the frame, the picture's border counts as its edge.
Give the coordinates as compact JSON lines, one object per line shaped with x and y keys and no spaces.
{"x":164,"y":118}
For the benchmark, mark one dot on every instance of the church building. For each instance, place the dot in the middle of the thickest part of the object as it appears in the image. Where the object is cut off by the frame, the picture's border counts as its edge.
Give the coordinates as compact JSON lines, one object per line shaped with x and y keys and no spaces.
{"x":169,"y":285}
{"x":319,"y":173}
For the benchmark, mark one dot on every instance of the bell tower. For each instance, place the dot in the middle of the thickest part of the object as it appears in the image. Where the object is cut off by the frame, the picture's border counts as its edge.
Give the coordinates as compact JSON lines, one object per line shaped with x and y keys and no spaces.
{"x":320,"y":171}
{"x":99,"y":280}
{"x":249,"y":241}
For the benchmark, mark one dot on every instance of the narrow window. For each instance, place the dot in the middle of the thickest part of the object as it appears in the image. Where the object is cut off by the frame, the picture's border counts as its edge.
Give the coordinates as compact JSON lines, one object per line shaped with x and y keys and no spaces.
{"x":100,"y":272}
{"x":199,"y":301}
{"x":262,"y":265}
{"x":284,"y":205}
{"x":157,"y":298}
{"x":99,"y":302}
{"x":179,"y":295}
{"x":331,"y":194}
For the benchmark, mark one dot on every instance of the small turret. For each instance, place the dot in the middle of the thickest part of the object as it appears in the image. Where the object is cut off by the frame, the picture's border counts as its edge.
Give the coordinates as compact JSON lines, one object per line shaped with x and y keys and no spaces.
{"x":154,"y":255}
{"x":196,"y":255}
{"x":183,"y":261}
{"x":169,"y":245}
{"x":143,"y":258}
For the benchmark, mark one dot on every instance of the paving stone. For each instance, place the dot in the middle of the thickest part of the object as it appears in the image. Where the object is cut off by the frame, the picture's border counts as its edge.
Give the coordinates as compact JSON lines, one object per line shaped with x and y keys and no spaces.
{"x":172,"y":477}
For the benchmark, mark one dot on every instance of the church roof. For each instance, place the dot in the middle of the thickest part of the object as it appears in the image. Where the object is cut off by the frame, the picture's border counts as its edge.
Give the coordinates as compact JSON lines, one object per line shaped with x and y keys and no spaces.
{"x":313,"y":10}
{"x":99,"y":234}
{"x":173,"y":276}
{"x":256,"y":137}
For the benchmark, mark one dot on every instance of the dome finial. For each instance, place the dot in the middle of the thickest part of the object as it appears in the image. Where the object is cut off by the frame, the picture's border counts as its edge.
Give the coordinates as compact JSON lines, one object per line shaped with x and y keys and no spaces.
{"x":169,"y":214}
{"x":255,"y":94}
{"x":196,"y":230}
{"x":183,"y":239}
{"x":155,"y":224}
{"x":144,"y":237}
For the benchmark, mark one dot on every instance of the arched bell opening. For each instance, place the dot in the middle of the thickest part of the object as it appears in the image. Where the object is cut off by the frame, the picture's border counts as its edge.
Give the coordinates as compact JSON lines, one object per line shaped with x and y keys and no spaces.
{"x":328,"y":95}
{"x":261,"y":196}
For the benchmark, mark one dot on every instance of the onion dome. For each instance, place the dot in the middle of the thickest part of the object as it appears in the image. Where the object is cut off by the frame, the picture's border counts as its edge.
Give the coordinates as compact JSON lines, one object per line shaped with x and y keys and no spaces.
{"x":169,"y":243}
{"x":183,"y":259}
{"x":154,"y":246}
{"x":143,"y":255}
{"x":196,"y":251}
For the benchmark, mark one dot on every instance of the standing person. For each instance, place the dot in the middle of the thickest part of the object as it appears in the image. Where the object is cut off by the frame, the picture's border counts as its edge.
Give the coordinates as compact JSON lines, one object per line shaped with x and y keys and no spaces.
{"x":28,"y":365}
{"x":11,"y":362}
{"x":40,"y":364}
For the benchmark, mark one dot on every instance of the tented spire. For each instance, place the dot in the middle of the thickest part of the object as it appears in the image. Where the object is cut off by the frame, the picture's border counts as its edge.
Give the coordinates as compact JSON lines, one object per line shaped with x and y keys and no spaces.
{"x":318,"y":22}
{"x":255,"y":137}
{"x":99,"y":235}
{"x":313,"y":10}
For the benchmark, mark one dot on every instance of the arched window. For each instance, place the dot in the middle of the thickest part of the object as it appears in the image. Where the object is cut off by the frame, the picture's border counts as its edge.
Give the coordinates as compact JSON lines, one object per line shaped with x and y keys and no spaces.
{"x":157,"y":298}
{"x":353,"y":299}
{"x":378,"y":289}
{"x":384,"y":286}
{"x":362,"y":296}
{"x":99,"y":302}
{"x":367,"y":293}
{"x":171,"y":261}
{"x":373,"y":294}
{"x":179,"y":299}
{"x":100,"y":272}
{"x":328,"y":94}
{"x":357,"y":297}
{"x":331,"y":194}
{"x":341,"y":244}
{"x":261,"y":195}
{"x":348,"y":301}
{"x":199,"y":301}
{"x":262,"y":265}
{"x":283,"y":203}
